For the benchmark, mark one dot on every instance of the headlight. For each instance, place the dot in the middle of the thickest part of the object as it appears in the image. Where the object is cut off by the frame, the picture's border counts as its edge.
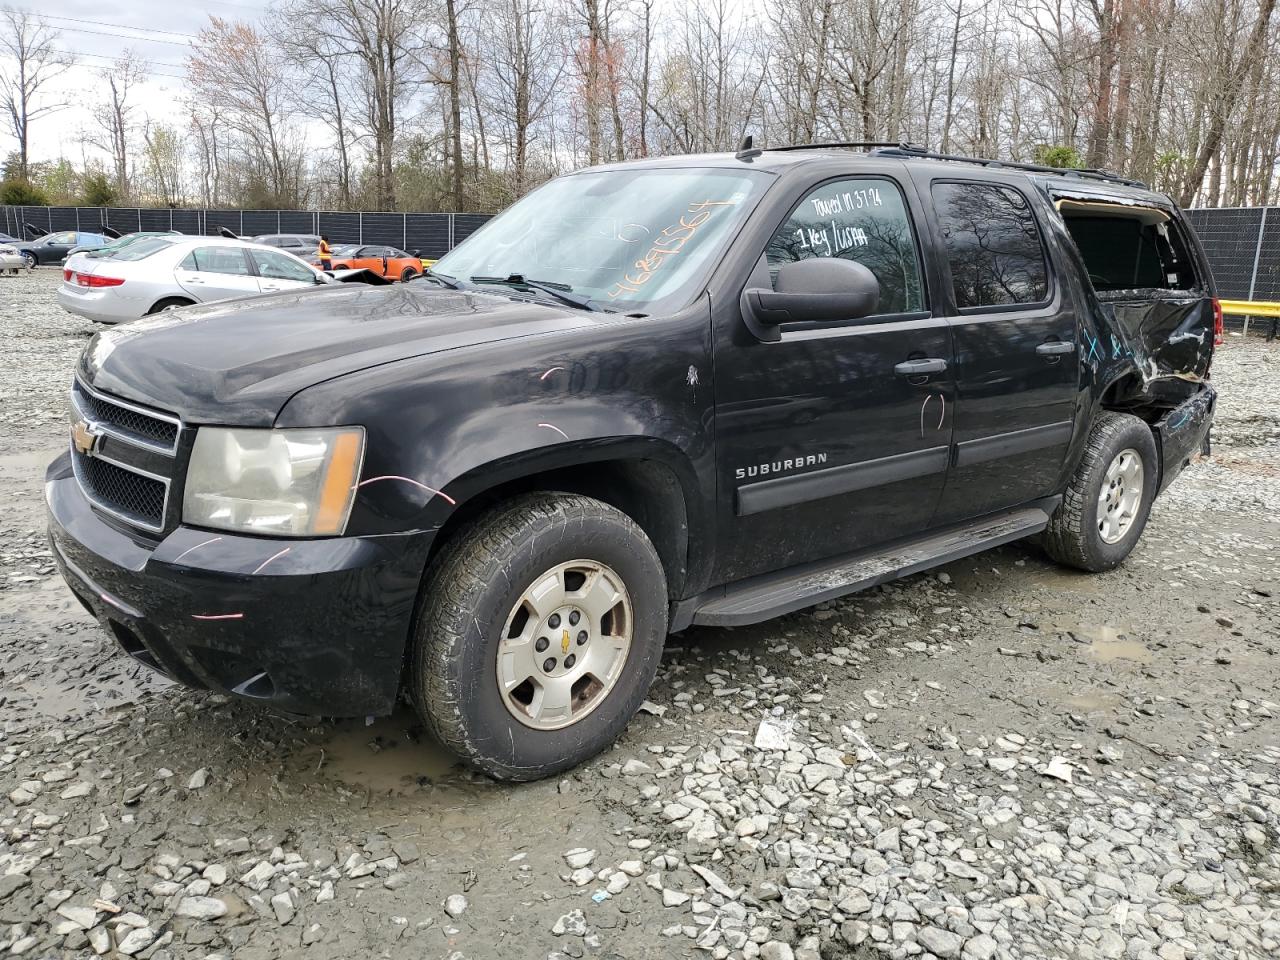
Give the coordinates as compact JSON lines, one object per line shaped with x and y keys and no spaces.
{"x":291,"y":483}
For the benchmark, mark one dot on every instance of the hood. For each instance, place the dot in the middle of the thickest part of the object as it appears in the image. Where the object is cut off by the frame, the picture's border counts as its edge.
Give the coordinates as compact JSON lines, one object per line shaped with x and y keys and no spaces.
{"x":238,"y":362}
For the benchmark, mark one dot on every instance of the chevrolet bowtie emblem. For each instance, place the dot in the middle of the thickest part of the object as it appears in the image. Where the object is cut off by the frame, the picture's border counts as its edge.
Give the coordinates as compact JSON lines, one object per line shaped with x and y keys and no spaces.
{"x":564,"y":642}
{"x":84,"y":438}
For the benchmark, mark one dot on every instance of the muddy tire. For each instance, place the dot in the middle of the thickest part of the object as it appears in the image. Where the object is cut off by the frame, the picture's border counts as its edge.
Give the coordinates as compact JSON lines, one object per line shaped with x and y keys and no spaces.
{"x":540,"y":629}
{"x":1106,"y":504}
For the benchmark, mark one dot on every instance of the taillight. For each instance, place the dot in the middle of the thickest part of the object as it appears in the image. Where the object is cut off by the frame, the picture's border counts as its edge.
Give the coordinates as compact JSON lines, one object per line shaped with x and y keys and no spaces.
{"x":1217,"y":322}
{"x":92,"y":280}
{"x":67,"y":274}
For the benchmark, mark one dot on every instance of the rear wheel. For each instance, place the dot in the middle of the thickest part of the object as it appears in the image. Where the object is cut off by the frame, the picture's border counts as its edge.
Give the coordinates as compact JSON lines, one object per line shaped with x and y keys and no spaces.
{"x":170,"y":303}
{"x":539,"y":633}
{"x":1108,"y":500}
{"x":408,"y":273}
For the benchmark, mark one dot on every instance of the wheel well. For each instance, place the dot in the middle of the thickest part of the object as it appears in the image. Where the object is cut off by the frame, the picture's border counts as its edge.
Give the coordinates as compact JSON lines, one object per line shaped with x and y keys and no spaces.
{"x":647,"y":491}
{"x":1146,"y":401}
{"x":170,"y":302}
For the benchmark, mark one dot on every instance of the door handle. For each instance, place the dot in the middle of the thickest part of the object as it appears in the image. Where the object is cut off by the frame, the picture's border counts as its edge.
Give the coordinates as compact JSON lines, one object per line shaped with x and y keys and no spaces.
{"x":1055,"y":348}
{"x":917,"y":368}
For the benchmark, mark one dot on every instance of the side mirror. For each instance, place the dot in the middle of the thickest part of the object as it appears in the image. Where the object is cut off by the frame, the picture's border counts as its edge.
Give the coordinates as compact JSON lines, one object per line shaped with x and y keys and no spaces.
{"x":820,"y":289}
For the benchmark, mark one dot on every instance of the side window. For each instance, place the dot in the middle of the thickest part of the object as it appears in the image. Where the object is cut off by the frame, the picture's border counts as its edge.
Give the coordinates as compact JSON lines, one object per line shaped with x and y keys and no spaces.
{"x":1124,"y":247}
{"x":992,"y":243}
{"x":862,"y":219}
{"x":277,"y":266}
{"x":217,"y":260}
{"x":63,"y":238}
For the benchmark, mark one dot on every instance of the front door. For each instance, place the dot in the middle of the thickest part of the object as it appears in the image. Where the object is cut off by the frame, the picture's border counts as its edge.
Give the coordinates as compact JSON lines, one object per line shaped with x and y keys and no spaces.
{"x":837,"y":435}
{"x":1016,"y":351}
{"x":277,"y":271}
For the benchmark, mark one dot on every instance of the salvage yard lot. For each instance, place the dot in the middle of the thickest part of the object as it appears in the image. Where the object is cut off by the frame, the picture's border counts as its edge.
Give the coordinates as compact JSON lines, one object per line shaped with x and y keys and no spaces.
{"x":998,"y":759}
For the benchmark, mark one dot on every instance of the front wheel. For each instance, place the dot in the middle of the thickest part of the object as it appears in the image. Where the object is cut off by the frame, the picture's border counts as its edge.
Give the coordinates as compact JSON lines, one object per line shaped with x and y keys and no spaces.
{"x":30,"y":260}
{"x":1108,"y":500}
{"x":539,"y":633}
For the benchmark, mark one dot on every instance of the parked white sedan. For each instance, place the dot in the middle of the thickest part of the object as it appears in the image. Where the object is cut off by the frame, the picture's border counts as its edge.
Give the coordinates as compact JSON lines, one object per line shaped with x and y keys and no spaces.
{"x":10,"y":260}
{"x":161,"y":272}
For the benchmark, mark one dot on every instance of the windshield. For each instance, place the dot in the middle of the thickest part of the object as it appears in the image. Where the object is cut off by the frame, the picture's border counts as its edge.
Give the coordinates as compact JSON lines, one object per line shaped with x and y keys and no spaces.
{"x":345,"y":249}
{"x":627,"y":239}
{"x":141,"y":249}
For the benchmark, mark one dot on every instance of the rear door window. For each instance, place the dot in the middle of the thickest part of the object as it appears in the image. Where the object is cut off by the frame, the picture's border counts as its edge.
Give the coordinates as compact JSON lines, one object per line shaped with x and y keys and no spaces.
{"x":863,"y":219}
{"x":228,"y":260}
{"x":992,"y":243}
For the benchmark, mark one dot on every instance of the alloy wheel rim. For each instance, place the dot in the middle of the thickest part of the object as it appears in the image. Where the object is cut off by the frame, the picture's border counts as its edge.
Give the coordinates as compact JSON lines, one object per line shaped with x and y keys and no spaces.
{"x":1121,"y":495}
{"x":564,"y":645}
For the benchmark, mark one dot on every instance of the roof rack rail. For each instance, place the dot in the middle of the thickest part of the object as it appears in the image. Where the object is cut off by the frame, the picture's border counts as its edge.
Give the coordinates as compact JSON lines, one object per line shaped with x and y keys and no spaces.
{"x":854,"y":144}
{"x":1088,"y":173}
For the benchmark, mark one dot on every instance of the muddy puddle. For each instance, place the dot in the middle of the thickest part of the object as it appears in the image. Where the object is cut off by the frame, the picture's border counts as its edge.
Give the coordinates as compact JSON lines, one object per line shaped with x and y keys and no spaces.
{"x":392,"y":755}
{"x":1107,"y":644}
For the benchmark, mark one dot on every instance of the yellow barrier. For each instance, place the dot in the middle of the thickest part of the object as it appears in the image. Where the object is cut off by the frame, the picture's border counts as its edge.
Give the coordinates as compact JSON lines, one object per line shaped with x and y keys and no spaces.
{"x":1250,"y":308}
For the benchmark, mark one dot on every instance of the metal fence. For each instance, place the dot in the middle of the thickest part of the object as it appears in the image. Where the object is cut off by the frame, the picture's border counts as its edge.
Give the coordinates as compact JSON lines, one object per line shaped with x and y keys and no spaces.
{"x":1243,"y":246}
{"x":432,"y":235}
{"x":1243,"y":243}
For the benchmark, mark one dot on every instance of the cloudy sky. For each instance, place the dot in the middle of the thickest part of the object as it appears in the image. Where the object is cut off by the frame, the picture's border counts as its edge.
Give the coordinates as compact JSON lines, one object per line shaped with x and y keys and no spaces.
{"x":158,"y":30}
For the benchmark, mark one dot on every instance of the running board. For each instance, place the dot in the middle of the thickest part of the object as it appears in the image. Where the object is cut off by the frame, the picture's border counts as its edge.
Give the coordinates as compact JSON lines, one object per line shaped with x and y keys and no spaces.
{"x":764,"y":597}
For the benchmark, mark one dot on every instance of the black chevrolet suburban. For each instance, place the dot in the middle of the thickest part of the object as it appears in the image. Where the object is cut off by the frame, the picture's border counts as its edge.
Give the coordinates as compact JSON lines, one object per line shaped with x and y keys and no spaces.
{"x":691,"y":390}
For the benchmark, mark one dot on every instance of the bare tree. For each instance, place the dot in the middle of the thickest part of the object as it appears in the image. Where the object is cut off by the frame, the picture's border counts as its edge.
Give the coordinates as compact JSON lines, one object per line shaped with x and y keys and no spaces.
{"x":234,"y":67}
{"x":115,"y":114}
{"x":33,"y":59}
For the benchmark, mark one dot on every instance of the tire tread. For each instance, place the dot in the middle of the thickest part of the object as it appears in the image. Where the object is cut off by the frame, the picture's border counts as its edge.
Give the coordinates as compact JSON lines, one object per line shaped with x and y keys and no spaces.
{"x":1066,"y":538}
{"x":465,"y":565}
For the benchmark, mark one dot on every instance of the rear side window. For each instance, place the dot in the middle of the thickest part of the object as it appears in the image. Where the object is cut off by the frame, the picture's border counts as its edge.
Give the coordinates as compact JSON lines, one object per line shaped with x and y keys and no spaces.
{"x":992,"y":243}
{"x":216,"y":260}
{"x":1127,"y":248}
{"x":863,"y":219}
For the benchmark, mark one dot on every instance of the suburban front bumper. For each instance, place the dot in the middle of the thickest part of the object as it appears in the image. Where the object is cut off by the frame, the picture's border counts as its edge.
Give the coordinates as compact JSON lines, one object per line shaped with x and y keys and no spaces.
{"x":308,"y":626}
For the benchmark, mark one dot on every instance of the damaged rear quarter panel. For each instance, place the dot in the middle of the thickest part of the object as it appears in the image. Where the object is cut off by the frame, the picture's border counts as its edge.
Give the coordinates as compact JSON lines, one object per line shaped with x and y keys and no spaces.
{"x":1154,"y":333}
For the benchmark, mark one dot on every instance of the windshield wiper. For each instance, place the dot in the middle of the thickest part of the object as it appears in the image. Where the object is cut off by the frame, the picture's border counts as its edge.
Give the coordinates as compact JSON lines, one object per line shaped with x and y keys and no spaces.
{"x":562,"y":292}
{"x":441,"y":278}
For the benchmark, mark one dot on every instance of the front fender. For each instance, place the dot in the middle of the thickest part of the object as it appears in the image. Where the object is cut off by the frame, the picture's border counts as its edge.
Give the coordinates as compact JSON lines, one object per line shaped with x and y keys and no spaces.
{"x":443,"y":428}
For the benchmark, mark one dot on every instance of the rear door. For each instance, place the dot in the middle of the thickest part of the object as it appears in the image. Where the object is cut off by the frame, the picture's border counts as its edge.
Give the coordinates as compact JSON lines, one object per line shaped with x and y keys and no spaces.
{"x":216,"y":273}
{"x":1017,"y":358}
{"x":278,"y":271}
{"x":836,"y":436}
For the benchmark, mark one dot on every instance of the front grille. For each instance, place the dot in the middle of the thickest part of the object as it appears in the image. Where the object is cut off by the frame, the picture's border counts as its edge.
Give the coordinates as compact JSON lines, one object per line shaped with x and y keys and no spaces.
{"x":124,"y":457}
{"x":126,"y":420}
{"x":129,"y":495}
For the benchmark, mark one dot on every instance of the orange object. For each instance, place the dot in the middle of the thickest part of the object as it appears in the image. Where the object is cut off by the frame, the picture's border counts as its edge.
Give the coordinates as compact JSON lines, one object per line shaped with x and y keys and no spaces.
{"x":390,"y":262}
{"x":339,"y":484}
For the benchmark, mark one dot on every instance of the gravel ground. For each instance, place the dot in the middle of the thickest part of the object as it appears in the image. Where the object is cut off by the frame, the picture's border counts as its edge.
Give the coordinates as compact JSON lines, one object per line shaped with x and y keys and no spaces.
{"x":997,"y":759}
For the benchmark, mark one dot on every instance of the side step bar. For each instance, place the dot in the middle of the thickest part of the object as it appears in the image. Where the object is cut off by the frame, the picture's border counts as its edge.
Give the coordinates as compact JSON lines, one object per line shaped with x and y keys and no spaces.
{"x":772,"y":595}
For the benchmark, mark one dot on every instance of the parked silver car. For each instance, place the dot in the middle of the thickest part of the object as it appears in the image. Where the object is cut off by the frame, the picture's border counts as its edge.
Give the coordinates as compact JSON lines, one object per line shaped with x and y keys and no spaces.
{"x":161,"y":272}
{"x":11,"y":261}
